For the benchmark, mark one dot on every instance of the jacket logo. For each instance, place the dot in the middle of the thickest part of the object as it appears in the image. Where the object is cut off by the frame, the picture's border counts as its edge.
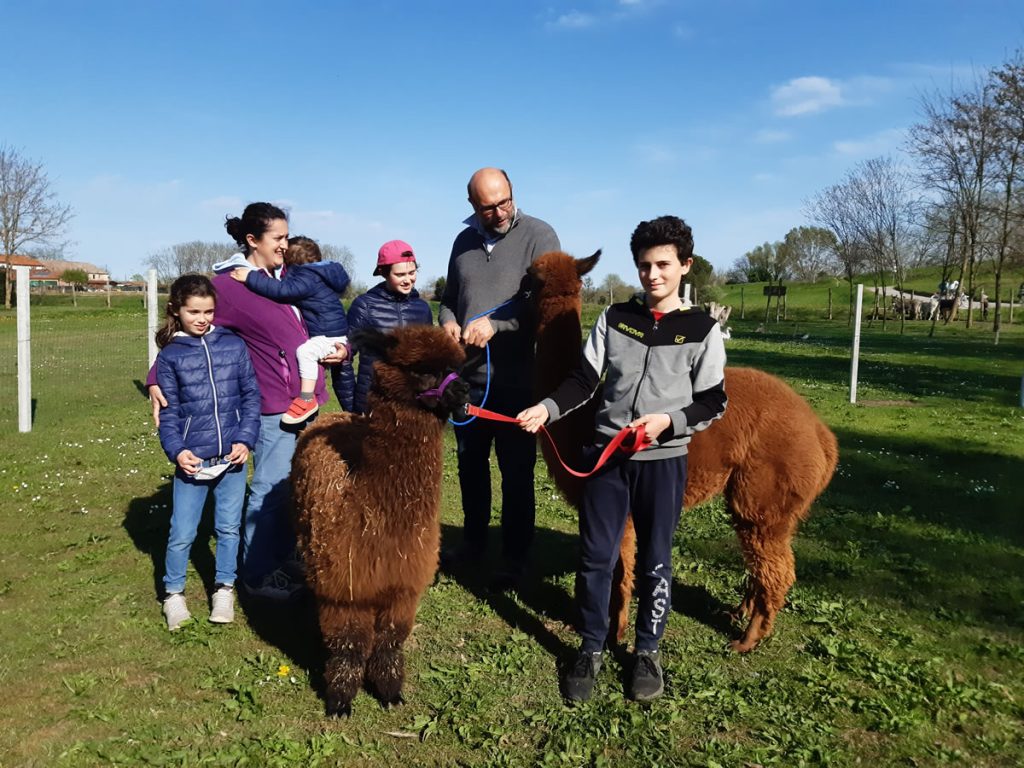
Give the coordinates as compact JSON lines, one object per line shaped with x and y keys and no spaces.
{"x":631,"y":331}
{"x":680,"y":339}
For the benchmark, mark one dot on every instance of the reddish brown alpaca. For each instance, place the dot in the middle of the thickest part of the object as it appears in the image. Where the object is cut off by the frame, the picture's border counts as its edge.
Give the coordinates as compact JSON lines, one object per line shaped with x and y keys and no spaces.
{"x":367,"y":499}
{"x":770,"y":455}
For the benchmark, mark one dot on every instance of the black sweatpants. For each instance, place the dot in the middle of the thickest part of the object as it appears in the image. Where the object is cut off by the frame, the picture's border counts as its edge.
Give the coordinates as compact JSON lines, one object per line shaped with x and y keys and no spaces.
{"x":653,"y":491}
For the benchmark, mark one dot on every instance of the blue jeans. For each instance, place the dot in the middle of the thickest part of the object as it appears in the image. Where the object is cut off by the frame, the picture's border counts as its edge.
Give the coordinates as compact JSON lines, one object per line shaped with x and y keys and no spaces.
{"x":516,"y":451}
{"x":189,"y":499}
{"x":269,"y":536}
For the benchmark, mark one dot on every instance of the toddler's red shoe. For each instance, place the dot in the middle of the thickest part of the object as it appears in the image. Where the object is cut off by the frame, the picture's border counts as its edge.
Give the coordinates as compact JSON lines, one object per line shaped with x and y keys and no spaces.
{"x":299,"y":411}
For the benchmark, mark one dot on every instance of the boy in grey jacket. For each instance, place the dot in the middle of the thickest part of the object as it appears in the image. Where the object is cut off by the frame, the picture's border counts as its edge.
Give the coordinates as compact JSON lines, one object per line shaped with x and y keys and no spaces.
{"x":662,"y":365}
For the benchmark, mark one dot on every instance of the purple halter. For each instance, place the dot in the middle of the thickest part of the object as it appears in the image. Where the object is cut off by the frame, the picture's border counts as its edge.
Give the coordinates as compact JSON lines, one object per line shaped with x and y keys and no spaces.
{"x":440,"y":388}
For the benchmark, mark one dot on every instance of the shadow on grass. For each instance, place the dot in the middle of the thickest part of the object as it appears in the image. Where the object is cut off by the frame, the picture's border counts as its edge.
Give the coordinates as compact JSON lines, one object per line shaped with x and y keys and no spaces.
{"x":541,"y":599}
{"x":930,"y":527}
{"x":290,"y":627}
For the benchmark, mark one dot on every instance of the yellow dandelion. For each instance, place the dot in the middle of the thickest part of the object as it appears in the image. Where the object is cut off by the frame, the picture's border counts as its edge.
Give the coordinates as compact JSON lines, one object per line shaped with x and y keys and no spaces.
{"x":283,"y":670}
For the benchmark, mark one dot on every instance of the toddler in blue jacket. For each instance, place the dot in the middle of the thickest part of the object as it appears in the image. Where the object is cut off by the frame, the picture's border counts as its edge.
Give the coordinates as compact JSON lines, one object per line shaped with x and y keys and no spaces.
{"x":208,"y":427}
{"x":315,"y":286}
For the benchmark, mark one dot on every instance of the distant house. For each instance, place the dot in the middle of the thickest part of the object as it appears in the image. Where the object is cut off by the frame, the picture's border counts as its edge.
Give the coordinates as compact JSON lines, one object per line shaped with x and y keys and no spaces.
{"x":50,"y":273}
{"x":40,"y":275}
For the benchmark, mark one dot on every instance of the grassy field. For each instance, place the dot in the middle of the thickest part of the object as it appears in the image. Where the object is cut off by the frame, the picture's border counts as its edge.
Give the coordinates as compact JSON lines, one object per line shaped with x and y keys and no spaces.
{"x":901,"y":643}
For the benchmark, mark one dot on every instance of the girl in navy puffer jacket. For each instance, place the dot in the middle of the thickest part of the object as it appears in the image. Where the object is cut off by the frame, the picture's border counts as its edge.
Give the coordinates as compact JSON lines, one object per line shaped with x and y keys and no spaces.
{"x":210,"y":424}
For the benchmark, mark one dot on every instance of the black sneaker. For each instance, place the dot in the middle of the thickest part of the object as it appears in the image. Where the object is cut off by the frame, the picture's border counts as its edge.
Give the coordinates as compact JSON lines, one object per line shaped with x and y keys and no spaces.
{"x":508,"y":577}
{"x":648,"y":683}
{"x":463,"y":556}
{"x":579,"y":681}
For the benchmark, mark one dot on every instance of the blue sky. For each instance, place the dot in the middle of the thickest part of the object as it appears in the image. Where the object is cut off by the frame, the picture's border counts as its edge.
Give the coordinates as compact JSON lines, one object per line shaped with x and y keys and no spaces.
{"x":155,"y":120}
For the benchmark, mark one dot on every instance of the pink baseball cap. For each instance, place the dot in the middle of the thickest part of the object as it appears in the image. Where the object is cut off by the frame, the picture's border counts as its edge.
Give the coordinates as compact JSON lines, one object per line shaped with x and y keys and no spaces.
{"x":393,"y":252}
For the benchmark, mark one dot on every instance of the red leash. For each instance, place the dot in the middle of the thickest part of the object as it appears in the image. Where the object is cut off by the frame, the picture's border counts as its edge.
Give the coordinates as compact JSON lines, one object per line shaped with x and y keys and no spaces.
{"x":628,"y":440}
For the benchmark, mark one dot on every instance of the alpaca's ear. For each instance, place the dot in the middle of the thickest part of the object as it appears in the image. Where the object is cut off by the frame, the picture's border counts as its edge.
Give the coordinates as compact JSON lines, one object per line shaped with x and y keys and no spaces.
{"x":583,"y":266}
{"x":376,"y":342}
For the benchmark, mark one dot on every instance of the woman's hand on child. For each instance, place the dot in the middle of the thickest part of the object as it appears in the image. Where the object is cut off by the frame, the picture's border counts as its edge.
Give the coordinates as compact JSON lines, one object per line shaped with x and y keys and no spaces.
{"x":189,"y":462}
{"x":339,"y":355}
{"x":533,"y":418}
{"x":239,"y":453}
{"x":653,"y":423}
{"x":158,"y":401}
{"x":240,"y":273}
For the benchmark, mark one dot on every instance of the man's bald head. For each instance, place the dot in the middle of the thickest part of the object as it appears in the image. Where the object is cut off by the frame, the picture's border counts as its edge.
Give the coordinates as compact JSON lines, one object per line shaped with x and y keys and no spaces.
{"x":490,"y":194}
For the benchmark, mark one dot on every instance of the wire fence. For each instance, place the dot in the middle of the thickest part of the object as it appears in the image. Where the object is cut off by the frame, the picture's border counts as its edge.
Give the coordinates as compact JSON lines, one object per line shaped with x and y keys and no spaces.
{"x":87,"y":356}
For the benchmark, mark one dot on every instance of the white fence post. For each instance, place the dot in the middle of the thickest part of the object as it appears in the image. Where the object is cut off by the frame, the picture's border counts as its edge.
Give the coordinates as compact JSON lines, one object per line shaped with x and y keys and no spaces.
{"x":24,"y":350}
{"x":855,"y":358}
{"x":151,"y":312}
{"x":686,"y":294}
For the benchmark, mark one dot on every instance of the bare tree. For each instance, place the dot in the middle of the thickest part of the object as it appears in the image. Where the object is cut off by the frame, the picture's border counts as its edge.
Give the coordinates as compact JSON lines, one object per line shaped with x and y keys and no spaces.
{"x":884,"y":211}
{"x":193,"y":256}
{"x":833,"y":209}
{"x":954,"y":145}
{"x":1008,"y":161}
{"x":30,"y":213}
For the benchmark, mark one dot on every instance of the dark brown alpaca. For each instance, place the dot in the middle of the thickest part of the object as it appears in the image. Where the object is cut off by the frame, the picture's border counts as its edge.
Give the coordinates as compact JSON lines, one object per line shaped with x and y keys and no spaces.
{"x":770,"y":455}
{"x":367,"y":499}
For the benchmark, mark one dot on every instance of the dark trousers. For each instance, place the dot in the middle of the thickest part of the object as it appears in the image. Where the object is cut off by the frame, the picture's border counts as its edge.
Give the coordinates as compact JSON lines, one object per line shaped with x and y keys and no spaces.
{"x":653,"y":491}
{"x":517,"y":453}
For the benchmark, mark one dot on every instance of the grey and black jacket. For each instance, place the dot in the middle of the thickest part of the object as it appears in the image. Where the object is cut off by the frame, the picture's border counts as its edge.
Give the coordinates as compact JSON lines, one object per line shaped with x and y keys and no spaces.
{"x":675,"y":365}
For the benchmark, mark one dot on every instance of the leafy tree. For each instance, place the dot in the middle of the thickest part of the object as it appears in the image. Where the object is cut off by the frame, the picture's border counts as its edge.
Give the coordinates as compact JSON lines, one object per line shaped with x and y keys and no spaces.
{"x":76,"y":278}
{"x":439,"y":286}
{"x":30,"y":213}
{"x":768,"y":262}
{"x":811,"y":252}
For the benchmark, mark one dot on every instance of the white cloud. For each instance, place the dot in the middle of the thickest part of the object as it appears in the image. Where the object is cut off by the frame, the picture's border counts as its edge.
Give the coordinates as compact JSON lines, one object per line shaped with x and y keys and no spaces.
{"x":574,"y":20}
{"x":806,"y":95}
{"x":876,"y":144}
{"x":771,"y":136}
{"x":652,"y":153}
{"x":222,"y":204}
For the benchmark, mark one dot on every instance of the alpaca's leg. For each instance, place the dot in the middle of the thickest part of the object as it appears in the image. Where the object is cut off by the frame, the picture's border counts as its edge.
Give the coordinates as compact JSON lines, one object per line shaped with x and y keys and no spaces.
{"x":768,"y":554}
{"x":622,"y":583}
{"x":385,"y":670}
{"x":348,"y":636}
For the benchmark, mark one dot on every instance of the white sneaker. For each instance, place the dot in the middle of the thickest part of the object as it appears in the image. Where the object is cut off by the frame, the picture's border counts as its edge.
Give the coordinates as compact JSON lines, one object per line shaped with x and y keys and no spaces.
{"x":276,"y":585}
{"x":223,"y":605}
{"x":175,"y":610}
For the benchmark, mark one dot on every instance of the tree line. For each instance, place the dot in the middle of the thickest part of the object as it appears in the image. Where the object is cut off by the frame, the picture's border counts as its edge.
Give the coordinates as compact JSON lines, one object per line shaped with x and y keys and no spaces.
{"x":954,"y":198}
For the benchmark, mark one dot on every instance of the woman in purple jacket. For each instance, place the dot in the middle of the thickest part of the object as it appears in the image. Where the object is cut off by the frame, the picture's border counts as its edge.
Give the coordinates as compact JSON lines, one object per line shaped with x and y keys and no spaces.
{"x":272,"y":332}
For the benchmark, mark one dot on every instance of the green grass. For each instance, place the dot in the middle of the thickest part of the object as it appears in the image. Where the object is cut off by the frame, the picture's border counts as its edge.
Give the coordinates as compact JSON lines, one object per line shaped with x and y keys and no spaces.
{"x":901,"y":643}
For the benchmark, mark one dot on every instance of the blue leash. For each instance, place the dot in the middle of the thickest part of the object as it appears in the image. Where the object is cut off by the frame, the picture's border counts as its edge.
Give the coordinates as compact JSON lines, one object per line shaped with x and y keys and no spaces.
{"x":487,"y":353}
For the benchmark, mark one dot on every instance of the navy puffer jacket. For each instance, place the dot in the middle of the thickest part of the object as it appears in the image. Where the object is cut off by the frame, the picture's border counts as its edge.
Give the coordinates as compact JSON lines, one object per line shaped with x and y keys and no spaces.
{"x":316,"y":289}
{"x":382,"y":310}
{"x":213,"y":399}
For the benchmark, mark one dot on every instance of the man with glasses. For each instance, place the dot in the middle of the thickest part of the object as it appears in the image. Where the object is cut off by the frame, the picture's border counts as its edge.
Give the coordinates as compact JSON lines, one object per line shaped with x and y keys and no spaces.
{"x":487,"y":271}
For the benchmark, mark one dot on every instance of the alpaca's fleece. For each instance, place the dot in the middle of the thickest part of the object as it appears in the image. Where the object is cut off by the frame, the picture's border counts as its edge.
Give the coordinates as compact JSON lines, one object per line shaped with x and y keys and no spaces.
{"x":770,"y":454}
{"x":367,"y":498}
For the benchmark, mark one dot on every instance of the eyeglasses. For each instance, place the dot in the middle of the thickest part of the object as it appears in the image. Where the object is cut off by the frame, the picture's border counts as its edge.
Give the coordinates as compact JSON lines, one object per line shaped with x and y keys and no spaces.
{"x":490,"y":210}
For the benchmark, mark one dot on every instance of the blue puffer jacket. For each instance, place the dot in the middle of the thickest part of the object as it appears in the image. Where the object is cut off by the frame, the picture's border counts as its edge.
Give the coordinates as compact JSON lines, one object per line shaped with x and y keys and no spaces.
{"x":212,"y":396}
{"x":382,"y":310}
{"x":315,"y":289}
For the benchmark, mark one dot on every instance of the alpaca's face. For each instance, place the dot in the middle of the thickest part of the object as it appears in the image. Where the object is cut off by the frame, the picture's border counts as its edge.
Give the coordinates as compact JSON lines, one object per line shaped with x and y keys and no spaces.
{"x":418,"y":366}
{"x":559,"y":274}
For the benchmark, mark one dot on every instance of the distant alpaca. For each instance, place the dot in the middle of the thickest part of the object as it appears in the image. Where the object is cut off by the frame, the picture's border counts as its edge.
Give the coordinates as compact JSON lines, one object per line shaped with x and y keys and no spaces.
{"x":367,"y":497}
{"x":770,"y":455}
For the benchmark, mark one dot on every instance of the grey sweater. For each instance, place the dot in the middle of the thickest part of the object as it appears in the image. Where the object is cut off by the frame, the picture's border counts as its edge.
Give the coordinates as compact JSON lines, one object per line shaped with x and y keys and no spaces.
{"x":478,"y":281}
